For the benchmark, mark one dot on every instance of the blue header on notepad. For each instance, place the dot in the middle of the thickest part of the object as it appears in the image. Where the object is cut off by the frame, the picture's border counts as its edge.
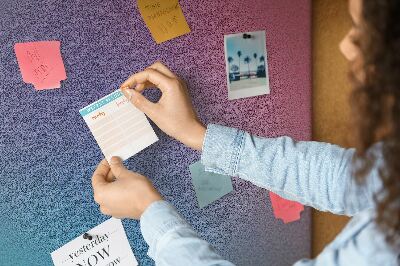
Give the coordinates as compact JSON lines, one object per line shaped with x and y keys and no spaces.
{"x":100,"y":103}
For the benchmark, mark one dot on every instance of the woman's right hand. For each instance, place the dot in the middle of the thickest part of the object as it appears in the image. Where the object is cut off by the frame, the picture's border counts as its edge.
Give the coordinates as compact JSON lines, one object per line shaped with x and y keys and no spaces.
{"x":173,"y":113}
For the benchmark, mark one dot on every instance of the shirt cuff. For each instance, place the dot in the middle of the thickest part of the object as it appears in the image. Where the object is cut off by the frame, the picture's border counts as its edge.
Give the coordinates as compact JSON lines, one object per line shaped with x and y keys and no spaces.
{"x":221,"y":149}
{"x":158,"y":219}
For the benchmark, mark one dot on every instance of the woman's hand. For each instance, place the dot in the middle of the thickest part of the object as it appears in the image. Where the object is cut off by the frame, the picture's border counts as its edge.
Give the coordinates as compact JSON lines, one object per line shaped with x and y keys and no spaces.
{"x":173,"y":113}
{"x":122,"y":193}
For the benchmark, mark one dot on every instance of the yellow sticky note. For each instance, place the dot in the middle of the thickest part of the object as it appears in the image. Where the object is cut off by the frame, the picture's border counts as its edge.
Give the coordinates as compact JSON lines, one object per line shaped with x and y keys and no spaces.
{"x":164,"y":18}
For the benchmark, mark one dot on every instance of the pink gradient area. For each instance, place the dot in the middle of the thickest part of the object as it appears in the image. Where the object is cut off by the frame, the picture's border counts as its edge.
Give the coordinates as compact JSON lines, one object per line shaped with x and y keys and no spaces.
{"x":287,"y":109}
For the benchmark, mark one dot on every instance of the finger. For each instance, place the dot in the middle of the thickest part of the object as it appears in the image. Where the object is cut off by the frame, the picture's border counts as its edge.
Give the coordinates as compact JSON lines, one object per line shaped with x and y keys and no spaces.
{"x":160,"y":67}
{"x":100,"y":174}
{"x":149,"y":75}
{"x":142,"y":86}
{"x":118,"y":168}
{"x":140,"y":102}
{"x":139,"y":87}
{"x":104,"y":210}
{"x":110,"y":177}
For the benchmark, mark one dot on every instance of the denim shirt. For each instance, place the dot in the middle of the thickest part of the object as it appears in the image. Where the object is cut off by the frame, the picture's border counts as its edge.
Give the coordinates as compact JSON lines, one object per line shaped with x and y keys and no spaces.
{"x":312,"y":173}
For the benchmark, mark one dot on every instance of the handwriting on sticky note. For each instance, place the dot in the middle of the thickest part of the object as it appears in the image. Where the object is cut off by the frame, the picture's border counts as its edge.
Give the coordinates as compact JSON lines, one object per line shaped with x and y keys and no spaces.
{"x":208,"y":186}
{"x":41,"y":64}
{"x":108,"y":246}
{"x":164,"y":18}
{"x":118,"y":127}
{"x":287,"y":210}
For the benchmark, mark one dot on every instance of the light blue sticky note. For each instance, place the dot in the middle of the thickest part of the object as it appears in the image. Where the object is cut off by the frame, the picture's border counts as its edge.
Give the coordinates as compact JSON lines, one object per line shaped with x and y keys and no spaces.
{"x":209,"y":186}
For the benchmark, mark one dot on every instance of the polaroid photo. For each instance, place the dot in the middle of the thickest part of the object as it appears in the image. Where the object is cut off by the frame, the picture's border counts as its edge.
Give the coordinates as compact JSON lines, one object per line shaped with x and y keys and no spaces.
{"x":246,"y":64}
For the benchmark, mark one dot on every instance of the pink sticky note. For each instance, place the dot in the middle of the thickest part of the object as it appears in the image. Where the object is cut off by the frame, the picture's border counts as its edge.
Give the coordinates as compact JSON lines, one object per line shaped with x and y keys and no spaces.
{"x":288,"y":211}
{"x":41,"y":64}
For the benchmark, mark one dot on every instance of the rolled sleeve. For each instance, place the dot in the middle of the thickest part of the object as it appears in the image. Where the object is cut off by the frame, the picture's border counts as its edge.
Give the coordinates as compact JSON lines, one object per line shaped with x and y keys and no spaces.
{"x":221,"y":149}
{"x":316,"y":174}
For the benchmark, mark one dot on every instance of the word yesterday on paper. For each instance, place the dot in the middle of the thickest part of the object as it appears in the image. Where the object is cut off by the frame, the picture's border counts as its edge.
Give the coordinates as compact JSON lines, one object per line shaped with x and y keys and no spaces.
{"x":109,"y":247}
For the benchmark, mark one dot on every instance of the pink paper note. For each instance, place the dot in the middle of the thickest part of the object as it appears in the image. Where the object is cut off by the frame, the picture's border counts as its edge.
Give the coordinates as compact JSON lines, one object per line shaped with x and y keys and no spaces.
{"x":41,"y":64}
{"x":288,"y":211}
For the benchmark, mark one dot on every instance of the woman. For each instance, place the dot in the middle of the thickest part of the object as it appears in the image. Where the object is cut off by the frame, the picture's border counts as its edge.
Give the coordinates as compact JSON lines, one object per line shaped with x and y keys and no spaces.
{"x":363,"y":183}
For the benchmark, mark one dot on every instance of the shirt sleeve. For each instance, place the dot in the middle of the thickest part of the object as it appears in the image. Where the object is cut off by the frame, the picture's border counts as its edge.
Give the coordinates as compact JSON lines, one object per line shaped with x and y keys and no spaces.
{"x":312,"y":173}
{"x":172,"y":241}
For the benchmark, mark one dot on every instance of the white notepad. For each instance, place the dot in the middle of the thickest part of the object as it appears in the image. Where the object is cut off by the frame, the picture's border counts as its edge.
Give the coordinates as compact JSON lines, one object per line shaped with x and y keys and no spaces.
{"x":108,"y":246}
{"x":119,"y":128}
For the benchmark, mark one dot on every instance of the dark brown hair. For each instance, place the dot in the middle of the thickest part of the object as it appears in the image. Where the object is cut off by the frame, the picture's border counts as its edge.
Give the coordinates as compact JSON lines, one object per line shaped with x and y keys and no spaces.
{"x":377,"y":103}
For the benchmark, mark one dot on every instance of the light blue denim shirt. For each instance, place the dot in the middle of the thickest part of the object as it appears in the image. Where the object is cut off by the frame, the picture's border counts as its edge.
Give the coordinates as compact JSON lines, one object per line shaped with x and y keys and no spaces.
{"x":312,"y":173}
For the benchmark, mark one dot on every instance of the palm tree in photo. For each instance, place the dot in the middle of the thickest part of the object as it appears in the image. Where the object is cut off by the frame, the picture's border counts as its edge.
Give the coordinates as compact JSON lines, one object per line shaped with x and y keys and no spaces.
{"x":239,"y":53}
{"x":261,"y":68}
{"x":231,"y":75}
{"x":247,"y":60}
{"x":255,"y":60}
{"x":262,"y":59}
{"x":230,"y":60}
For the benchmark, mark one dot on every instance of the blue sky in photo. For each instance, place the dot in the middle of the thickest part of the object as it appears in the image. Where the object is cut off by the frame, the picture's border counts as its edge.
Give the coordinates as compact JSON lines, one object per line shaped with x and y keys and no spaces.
{"x":248,"y":47}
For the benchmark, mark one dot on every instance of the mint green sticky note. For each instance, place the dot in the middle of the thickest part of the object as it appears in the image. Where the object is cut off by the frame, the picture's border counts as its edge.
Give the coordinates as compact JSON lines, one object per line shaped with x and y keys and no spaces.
{"x":208,"y":186}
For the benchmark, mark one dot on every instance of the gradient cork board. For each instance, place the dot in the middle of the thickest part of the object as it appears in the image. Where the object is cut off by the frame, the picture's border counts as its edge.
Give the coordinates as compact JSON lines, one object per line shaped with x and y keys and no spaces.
{"x":48,"y":154}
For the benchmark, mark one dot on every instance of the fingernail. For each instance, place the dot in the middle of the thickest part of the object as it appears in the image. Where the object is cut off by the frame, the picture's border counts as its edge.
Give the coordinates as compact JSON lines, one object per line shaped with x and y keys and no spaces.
{"x":130,"y":93}
{"x":115,"y":160}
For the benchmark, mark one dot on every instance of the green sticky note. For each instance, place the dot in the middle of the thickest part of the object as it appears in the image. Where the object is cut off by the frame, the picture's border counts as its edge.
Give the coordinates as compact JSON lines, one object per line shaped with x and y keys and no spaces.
{"x":209,"y":186}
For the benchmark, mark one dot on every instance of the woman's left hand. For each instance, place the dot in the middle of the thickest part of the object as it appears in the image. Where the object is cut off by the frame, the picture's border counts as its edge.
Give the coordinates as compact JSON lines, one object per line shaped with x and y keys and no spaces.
{"x":122,"y":193}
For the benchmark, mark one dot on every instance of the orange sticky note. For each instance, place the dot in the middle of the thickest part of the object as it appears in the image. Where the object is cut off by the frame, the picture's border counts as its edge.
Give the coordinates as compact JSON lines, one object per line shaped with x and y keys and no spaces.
{"x":41,"y":64}
{"x":164,"y":18}
{"x":287,"y":210}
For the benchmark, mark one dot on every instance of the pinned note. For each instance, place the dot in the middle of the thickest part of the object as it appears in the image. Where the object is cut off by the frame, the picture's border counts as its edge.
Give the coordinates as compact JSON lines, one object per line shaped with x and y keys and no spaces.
{"x":41,"y":64}
{"x":164,"y":18}
{"x":106,"y":244}
{"x":118,"y":127}
{"x":209,"y":186}
{"x":286,"y":210}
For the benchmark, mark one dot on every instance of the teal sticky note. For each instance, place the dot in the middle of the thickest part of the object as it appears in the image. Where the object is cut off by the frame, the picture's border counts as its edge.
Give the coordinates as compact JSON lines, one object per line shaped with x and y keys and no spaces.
{"x":209,"y":186}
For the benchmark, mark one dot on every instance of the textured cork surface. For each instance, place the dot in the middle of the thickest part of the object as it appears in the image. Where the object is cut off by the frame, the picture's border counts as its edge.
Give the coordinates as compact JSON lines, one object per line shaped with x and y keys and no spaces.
{"x":331,"y":91}
{"x":48,"y":154}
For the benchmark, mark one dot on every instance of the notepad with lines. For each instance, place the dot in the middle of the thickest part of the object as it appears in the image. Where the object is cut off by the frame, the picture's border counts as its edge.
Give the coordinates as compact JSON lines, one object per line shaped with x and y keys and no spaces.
{"x":119,"y":128}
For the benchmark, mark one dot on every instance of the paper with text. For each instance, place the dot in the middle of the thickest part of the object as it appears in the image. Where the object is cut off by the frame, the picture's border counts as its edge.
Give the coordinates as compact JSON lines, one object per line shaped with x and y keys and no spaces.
{"x":209,"y":186}
{"x":286,"y":210}
{"x":109,"y":246}
{"x":164,"y":18}
{"x":41,"y":64}
{"x":118,"y":127}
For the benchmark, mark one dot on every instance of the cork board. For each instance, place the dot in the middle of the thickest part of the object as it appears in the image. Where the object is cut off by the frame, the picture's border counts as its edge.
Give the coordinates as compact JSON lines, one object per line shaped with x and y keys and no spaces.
{"x":48,"y":154}
{"x":331,"y":91}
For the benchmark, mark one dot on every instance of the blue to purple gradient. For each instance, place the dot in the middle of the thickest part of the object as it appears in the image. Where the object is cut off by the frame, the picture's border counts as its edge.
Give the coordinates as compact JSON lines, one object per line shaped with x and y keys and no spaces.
{"x":48,"y":154}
